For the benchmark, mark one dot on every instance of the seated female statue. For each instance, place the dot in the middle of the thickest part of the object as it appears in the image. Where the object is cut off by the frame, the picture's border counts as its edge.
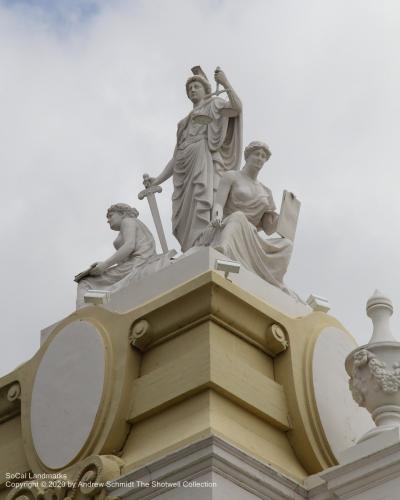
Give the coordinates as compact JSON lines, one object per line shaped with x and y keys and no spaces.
{"x":244,"y":207}
{"x":135,"y":255}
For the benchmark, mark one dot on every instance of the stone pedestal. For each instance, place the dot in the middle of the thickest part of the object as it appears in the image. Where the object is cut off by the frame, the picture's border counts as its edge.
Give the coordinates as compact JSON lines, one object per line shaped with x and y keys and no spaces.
{"x":186,"y":360}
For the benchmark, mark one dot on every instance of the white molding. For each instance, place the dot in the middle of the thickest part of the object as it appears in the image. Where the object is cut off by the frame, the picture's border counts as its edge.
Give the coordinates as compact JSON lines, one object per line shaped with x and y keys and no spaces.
{"x":362,"y":476}
{"x":376,"y":475}
{"x":211,"y":454}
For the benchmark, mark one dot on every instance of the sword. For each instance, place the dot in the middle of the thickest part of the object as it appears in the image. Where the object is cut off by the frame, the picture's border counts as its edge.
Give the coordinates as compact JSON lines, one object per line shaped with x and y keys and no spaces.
{"x":149,"y":193}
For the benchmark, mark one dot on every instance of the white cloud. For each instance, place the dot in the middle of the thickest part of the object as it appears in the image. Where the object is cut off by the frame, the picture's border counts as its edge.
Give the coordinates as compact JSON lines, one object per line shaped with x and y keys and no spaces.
{"x":89,"y":108}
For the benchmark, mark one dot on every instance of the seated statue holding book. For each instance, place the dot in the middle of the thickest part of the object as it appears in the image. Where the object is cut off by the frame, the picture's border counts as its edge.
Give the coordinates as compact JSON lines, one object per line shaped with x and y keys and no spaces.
{"x":135,"y":255}
{"x":243,"y":208}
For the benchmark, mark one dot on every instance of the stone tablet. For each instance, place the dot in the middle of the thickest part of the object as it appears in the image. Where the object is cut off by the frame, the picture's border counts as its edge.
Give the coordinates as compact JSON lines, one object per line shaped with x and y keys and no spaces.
{"x":288,"y":216}
{"x":66,"y":393}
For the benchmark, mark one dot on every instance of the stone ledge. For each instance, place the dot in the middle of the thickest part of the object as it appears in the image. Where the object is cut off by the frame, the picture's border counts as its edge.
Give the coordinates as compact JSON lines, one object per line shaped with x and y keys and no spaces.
{"x":375,"y":475}
{"x":196,"y":261}
{"x":248,"y":475}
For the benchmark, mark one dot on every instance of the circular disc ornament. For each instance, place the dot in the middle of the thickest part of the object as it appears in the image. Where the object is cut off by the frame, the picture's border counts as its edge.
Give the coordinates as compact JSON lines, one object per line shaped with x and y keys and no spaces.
{"x":343,"y":421}
{"x":67,"y":393}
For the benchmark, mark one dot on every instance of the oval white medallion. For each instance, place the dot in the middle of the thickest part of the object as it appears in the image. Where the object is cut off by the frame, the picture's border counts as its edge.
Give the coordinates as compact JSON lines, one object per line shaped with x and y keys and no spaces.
{"x":342,"y":419}
{"x":66,"y":393}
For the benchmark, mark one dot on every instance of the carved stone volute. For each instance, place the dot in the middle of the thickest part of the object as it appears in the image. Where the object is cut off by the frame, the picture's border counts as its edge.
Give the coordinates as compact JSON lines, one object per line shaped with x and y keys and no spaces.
{"x":10,"y":404}
{"x":140,"y":334}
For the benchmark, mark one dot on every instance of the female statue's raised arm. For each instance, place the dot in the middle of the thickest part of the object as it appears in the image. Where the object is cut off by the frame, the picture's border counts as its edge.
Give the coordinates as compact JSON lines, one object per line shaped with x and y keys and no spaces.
{"x":234,"y":100}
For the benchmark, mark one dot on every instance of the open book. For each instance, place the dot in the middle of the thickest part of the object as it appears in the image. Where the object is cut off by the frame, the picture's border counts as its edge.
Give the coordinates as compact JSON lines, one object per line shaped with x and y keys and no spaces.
{"x":288,"y":216}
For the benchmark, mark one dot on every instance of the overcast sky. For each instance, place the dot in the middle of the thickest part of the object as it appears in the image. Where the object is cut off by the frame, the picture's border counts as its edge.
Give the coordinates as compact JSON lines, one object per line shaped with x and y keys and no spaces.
{"x":91,"y":92}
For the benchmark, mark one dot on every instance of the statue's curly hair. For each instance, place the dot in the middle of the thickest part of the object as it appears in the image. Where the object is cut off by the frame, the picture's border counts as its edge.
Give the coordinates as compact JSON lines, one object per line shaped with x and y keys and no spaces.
{"x":197,"y":78}
{"x":124,"y":209}
{"x":256,"y":145}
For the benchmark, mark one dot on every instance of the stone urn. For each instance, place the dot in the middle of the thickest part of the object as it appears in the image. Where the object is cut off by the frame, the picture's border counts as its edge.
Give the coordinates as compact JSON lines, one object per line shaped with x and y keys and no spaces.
{"x":374,"y":369}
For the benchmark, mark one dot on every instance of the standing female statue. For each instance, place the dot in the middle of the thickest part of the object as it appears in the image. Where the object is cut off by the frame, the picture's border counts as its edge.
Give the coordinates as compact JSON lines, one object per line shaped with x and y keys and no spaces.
{"x":243,"y":207}
{"x":208,"y":144}
{"x":135,"y":255}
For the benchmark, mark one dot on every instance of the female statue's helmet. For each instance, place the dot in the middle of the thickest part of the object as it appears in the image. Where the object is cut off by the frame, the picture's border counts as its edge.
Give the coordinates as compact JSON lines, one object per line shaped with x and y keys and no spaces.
{"x":198,"y":76}
{"x":256,"y":145}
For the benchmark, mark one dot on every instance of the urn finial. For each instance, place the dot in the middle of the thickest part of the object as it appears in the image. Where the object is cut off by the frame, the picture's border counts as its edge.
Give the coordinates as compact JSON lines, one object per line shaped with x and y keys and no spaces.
{"x":374,"y":369}
{"x":379,"y":309}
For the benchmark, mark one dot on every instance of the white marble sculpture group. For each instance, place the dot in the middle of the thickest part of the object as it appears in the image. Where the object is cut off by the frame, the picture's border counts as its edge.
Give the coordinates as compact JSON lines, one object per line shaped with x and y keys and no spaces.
{"x":214,"y":203}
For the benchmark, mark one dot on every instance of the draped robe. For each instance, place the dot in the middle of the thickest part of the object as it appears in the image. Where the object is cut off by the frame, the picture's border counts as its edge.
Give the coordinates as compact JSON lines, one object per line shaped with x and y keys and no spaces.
{"x":209,"y":142}
{"x":239,"y":237}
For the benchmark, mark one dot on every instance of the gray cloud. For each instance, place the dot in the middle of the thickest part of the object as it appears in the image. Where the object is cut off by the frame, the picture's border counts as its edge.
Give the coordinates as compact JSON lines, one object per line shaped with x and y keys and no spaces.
{"x":88,"y":108}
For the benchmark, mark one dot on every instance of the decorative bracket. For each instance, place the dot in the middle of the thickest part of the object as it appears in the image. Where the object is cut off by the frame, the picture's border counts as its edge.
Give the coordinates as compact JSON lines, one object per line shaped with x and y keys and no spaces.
{"x":10,"y":404}
{"x":140,"y":334}
{"x":277,"y":339}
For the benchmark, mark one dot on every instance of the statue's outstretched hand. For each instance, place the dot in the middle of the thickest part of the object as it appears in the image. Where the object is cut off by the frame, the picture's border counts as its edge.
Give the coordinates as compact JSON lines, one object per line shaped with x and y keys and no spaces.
{"x":98,"y":269}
